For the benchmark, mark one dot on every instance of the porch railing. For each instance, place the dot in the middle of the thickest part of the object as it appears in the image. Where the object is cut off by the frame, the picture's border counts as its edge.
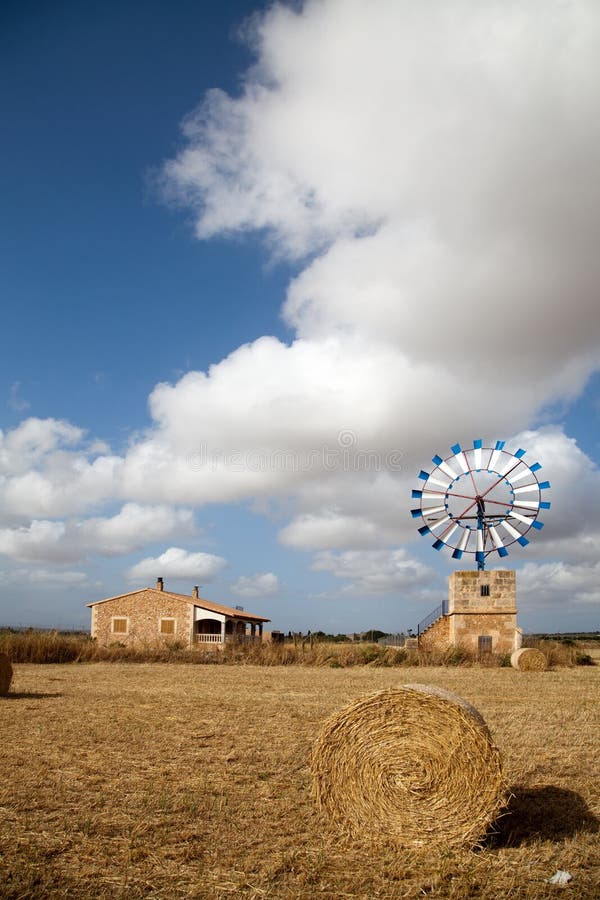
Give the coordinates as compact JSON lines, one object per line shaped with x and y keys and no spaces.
{"x":216,"y":638}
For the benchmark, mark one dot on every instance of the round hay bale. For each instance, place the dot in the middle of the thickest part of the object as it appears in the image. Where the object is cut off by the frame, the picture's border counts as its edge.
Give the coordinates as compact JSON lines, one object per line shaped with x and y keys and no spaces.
{"x":528,"y":659}
{"x":415,"y":764}
{"x":6,"y":674}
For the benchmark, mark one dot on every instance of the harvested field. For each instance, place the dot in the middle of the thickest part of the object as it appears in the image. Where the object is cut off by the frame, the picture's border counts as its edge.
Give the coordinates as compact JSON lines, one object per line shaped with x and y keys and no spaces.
{"x":170,"y":781}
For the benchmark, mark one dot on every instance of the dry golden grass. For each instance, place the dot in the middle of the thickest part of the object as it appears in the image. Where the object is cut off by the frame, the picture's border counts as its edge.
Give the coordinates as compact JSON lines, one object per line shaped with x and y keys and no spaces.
{"x":146,"y":780}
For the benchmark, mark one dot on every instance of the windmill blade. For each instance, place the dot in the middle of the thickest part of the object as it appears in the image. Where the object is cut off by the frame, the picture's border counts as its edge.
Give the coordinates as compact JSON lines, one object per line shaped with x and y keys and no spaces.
{"x":439,"y":483}
{"x":480,"y":539}
{"x":462,"y":544}
{"x":439,"y":522}
{"x":497,"y":541}
{"x":521,"y":518}
{"x":448,"y":534}
{"x":495,"y":455}
{"x":431,"y":479}
{"x":433,"y":510}
{"x":515,"y":534}
{"x":460,"y":458}
{"x":477,"y":454}
{"x":437,"y":459}
{"x":520,"y":476}
{"x":511,"y":464}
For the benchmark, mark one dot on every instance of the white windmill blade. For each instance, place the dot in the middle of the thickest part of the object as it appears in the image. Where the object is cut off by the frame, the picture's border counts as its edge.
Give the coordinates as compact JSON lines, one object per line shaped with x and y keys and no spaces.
{"x":477,"y":453}
{"x":443,"y":465}
{"x":461,"y":459}
{"x":527,"y":489}
{"x":439,"y":522}
{"x":495,"y":455}
{"x":521,"y":518}
{"x":432,"y":510}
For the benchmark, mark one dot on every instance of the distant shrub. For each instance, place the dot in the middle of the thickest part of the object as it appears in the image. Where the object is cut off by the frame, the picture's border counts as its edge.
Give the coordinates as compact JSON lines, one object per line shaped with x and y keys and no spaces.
{"x":584,"y":659}
{"x":560,"y":654}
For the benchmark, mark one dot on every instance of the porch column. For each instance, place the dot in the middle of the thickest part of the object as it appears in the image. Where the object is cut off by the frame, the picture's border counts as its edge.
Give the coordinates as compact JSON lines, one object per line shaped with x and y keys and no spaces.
{"x":223,"y":631}
{"x":252,"y":630}
{"x":260,"y":627}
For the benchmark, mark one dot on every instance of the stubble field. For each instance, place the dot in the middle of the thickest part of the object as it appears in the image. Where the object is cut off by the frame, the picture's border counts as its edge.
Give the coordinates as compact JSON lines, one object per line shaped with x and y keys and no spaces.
{"x":168,"y":781}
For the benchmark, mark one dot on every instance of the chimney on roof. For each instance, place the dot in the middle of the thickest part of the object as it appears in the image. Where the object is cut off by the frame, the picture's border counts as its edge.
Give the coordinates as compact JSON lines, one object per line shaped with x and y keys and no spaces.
{"x":160,"y":584}
{"x":195,"y":592}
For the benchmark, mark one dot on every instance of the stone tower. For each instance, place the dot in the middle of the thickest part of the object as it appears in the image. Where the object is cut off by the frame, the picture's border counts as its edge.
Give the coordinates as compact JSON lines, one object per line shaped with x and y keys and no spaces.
{"x":480,"y":614}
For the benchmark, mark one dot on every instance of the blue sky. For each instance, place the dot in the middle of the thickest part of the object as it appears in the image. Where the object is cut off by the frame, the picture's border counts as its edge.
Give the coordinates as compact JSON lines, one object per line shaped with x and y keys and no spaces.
{"x":355,"y":238}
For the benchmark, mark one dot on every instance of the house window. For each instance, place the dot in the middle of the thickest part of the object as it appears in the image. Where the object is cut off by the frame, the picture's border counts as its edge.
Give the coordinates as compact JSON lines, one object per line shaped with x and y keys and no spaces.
{"x":485,"y":644}
{"x":167,"y":626}
{"x":120,"y":625}
{"x":485,"y":590}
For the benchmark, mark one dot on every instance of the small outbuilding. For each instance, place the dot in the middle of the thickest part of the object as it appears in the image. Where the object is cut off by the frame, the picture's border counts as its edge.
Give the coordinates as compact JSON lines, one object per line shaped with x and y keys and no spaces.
{"x":151,"y":615}
{"x":480,"y":615}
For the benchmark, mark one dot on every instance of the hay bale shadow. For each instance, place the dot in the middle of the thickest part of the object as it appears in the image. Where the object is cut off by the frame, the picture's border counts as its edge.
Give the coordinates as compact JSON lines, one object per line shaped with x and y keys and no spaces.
{"x":547,"y":812}
{"x":29,"y":695}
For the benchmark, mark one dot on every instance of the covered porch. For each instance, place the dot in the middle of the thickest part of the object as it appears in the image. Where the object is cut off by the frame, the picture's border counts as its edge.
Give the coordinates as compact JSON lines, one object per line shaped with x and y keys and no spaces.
{"x":217,"y":628}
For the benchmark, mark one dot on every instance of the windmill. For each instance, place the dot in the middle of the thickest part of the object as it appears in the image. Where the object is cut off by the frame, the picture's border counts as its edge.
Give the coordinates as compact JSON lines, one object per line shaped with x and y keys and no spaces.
{"x":478,"y":501}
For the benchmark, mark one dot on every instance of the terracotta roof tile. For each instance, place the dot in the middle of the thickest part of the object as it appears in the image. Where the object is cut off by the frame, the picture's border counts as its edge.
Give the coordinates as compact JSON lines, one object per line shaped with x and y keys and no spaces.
{"x":196,"y":601}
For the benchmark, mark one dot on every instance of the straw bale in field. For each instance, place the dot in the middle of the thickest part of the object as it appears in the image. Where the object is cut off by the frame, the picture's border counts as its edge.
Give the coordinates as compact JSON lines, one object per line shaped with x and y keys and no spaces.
{"x":415,"y":764}
{"x":528,"y":659}
{"x":6,"y":674}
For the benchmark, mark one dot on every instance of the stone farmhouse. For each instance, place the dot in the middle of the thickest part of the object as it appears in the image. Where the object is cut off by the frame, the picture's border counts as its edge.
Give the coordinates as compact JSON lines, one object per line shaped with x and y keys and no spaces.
{"x":480,"y":615}
{"x":152,"y":615}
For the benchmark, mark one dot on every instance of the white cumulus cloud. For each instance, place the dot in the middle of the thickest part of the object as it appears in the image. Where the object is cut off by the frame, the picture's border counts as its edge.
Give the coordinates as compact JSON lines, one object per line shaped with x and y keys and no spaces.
{"x":75,"y":539}
{"x":558,"y":585}
{"x":44,"y":577}
{"x":177,"y":563}
{"x":264,"y":584}
{"x":373,"y":571}
{"x":329,"y":529}
{"x":438,"y":181}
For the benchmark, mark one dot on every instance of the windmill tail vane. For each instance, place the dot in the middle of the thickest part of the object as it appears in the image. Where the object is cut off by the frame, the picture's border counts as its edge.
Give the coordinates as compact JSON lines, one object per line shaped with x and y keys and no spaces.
{"x":480,"y":500}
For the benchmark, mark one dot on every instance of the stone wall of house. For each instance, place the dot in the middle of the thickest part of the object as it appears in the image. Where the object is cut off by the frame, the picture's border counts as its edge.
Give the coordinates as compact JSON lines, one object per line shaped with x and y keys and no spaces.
{"x":143,"y":611}
{"x":437,"y":637}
